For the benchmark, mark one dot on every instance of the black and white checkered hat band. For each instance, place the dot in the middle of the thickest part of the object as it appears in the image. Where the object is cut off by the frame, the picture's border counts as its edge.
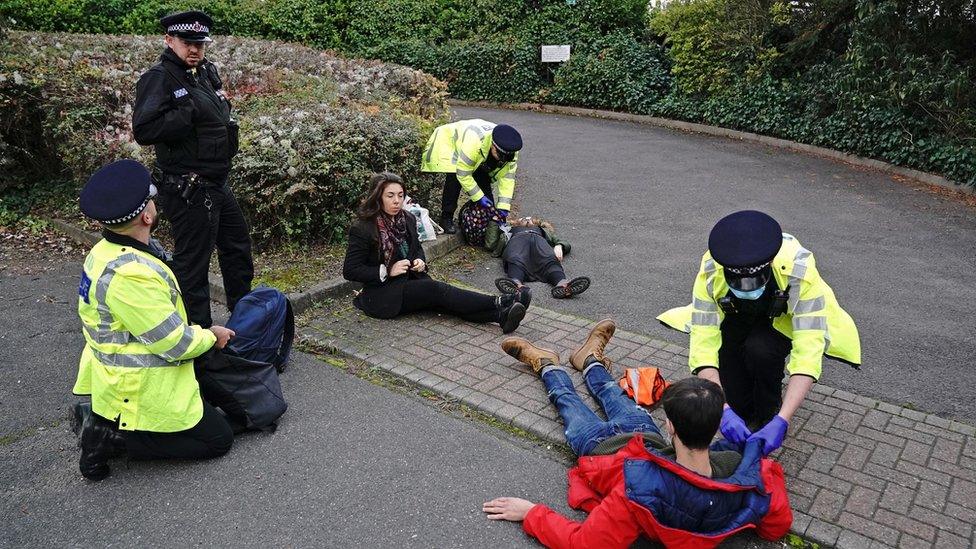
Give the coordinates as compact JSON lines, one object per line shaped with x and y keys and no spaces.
{"x":137,"y":211}
{"x":747,"y":270}
{"x":188,"y":27}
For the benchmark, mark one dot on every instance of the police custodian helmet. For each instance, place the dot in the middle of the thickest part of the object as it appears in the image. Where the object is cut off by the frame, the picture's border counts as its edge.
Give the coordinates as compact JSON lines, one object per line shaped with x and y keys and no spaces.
{"x":191,"y":26}
{"x":744,"y":243}
{"x":117,"y":193}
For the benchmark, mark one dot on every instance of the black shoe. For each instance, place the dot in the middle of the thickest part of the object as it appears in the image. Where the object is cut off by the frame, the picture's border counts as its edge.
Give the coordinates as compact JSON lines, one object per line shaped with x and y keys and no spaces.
{"x":575,"y":286}
{"x":510,"y":317}
{"x":506,"y":285}
{"x":99,"y":441}
{"x":448,"y":225}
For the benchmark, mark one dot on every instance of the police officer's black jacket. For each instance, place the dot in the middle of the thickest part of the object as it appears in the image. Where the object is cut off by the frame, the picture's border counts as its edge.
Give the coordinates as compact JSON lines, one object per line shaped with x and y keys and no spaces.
{"x":181,"y":112}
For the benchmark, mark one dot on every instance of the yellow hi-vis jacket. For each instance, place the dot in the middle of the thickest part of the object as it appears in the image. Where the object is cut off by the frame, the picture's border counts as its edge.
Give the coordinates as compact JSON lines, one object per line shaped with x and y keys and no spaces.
{"x":137,"y":364}
{"x":813,"y":321}
{"x":460,"y":147}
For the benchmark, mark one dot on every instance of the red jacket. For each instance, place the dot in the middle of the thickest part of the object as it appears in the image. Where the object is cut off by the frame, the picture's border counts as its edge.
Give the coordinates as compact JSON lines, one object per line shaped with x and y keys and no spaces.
{"x":620,"y":491}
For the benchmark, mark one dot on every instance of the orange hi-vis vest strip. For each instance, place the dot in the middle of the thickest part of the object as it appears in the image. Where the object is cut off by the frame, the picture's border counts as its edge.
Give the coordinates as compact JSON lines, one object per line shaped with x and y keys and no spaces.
{"x":645,"y":385}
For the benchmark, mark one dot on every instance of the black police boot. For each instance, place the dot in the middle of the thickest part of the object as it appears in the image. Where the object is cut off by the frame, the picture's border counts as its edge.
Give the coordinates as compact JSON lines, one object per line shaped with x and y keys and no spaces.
{"x":447,"y":223}
{"x":99,"y":441}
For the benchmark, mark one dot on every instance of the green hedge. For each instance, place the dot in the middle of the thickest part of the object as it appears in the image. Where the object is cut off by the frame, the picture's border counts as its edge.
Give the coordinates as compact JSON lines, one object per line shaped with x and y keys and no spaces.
{"x":313,"y":125}
{"x":887,"y":79}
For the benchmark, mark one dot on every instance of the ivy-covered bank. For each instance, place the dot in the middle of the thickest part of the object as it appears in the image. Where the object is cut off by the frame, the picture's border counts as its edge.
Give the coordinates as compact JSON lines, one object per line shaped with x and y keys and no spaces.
{"x":313,"y":125}
{"x":888,"y":79}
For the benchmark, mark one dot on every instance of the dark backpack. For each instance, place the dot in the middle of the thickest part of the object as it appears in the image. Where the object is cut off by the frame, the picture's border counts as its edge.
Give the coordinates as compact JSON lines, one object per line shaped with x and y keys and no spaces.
{"x":264,"y":325}
{"x":247,"y":391}
{"x":473,"y":220}
{"x":242,"y":379}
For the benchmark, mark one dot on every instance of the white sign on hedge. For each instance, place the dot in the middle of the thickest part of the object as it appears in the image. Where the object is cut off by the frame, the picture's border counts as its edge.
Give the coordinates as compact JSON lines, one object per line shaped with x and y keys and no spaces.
{"x":555,"y":54}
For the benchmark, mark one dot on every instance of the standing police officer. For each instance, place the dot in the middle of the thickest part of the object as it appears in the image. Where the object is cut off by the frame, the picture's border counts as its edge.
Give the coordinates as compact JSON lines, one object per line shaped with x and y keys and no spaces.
{"x":181,"y":109}
{"x":474,"y":154}
{"x":759,"y":303}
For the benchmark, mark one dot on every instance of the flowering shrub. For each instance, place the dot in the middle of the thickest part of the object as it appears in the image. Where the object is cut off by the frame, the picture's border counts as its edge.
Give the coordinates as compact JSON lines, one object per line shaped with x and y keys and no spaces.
{"x":313,"y":125}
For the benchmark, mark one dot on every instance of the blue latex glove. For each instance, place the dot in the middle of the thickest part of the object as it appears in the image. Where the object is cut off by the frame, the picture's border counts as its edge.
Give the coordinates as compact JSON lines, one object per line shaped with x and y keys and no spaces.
{"x":503,"y":214}
{"x":485,"y":202}
{"x":772,"y":434}
{"x":733,"y":428}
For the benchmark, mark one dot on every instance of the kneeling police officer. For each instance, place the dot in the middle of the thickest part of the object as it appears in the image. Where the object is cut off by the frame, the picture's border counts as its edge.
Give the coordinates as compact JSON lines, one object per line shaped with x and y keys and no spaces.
{"x":137,"y":364}
{"x":182,"y":110}
{"x":759,"y":304}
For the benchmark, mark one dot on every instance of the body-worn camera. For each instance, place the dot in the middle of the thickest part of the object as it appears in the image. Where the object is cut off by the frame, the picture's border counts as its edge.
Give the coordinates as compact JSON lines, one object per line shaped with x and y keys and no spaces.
{"x":190,"y":184}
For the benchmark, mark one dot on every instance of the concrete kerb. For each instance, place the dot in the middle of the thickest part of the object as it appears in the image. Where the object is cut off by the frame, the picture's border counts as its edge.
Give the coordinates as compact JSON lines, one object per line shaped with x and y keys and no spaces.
{"x":924,"y":177}
{"x":300,"y":301}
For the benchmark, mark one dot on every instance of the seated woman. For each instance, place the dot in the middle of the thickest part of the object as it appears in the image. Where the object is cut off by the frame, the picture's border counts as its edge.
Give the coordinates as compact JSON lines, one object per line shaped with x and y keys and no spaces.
{"x":533,"y":252}
{"x":385,"y":254}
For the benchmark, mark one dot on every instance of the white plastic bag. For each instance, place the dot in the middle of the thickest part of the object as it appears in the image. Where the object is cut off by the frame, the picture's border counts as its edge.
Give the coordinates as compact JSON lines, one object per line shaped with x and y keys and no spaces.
{"x":426,"y":228}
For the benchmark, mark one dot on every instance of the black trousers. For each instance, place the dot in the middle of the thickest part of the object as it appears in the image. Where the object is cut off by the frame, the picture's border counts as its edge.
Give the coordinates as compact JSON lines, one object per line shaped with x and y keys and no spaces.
{"x":211,"y":218}
{"x":554,"y":275}
{"x":211,"y":437}
{"x":751,"y":363}
{"x":452,"y":191}
{"x":433,"y":295}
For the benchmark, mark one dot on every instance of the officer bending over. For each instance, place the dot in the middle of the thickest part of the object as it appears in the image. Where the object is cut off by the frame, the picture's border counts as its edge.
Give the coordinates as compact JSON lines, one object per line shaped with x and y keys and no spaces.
{"x":182,"y":110}
{"x":759,"y":304}
{"x":474,"y":154}
{"x":137,"y":363}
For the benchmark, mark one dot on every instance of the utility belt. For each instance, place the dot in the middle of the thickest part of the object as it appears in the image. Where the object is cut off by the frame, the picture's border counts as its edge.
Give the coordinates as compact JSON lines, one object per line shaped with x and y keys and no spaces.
{"x":187,"y":186}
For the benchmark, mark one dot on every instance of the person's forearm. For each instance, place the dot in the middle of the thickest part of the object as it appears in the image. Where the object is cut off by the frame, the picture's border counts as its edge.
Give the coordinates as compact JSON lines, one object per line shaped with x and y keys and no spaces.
{"x":796,"y":391}
{"x":711,"y":374}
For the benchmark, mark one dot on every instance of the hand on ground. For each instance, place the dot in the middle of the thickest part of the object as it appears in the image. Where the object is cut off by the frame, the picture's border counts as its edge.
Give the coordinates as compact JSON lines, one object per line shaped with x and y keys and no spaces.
{"x":558,"y":250}
{"x":513,"y":509}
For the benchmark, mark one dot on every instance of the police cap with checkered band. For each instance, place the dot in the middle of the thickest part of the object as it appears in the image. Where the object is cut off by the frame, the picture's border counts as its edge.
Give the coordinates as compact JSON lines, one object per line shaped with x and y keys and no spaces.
{"x":117,"y":193}
{"x":191,"y":26}
{"x":744,"y":243}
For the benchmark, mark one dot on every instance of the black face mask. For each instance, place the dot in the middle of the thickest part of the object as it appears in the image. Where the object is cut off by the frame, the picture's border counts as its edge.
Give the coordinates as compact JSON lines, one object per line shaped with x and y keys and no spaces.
{"x":504,"y":157}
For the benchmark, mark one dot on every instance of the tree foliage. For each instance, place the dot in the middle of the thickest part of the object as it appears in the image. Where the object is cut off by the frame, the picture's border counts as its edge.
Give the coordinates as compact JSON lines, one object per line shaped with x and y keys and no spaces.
{"x":888,"y":79}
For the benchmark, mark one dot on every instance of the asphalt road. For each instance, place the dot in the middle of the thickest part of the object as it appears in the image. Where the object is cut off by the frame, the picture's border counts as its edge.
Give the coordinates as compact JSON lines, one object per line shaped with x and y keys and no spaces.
{"x":352,"y":464}
{"x":637,"y":203}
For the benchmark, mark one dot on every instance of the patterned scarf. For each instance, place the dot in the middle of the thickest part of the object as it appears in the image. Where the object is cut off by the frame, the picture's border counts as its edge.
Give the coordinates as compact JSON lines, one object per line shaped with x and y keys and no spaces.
{"x":393,"y":237}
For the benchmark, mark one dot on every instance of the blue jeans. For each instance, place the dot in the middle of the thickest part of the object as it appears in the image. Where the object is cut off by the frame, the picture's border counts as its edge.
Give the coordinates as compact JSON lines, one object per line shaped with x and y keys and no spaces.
{"x":584,"y":429}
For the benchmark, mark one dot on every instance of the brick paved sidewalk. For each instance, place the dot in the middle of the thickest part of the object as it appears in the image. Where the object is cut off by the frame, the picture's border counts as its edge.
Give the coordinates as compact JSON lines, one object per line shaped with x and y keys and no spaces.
{"x":861,"y":473}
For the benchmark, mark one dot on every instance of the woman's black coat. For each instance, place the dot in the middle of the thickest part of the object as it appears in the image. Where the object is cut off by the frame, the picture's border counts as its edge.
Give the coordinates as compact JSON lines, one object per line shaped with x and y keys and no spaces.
{"x":362,"y":264}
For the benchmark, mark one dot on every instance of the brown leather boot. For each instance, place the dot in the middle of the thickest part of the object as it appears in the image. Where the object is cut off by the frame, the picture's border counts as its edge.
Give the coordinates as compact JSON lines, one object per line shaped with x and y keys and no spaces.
{"x":520,"y":349}
{"x":594,"y":345}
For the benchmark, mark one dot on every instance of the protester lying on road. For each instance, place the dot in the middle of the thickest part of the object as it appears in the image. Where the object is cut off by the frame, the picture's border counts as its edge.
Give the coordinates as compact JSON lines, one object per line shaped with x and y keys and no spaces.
{"x":385,"y":254}
{"x":759,"y":305}
{"x":629,"y":480}
{"x":532,"y":251}
{"x":137,"y":363}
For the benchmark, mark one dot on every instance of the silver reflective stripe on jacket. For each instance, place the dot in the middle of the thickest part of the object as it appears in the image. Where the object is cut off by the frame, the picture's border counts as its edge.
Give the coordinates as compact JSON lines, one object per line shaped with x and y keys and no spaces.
{"x":809,"y":323}
{"x":464,"y":157}
{"x":104,"y":334}
{"x":123,"y":360}
{"x":703,"y":305}
{"x":806,"y":306}
{"x":704,"y":319}
{"x":708,"y":268}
